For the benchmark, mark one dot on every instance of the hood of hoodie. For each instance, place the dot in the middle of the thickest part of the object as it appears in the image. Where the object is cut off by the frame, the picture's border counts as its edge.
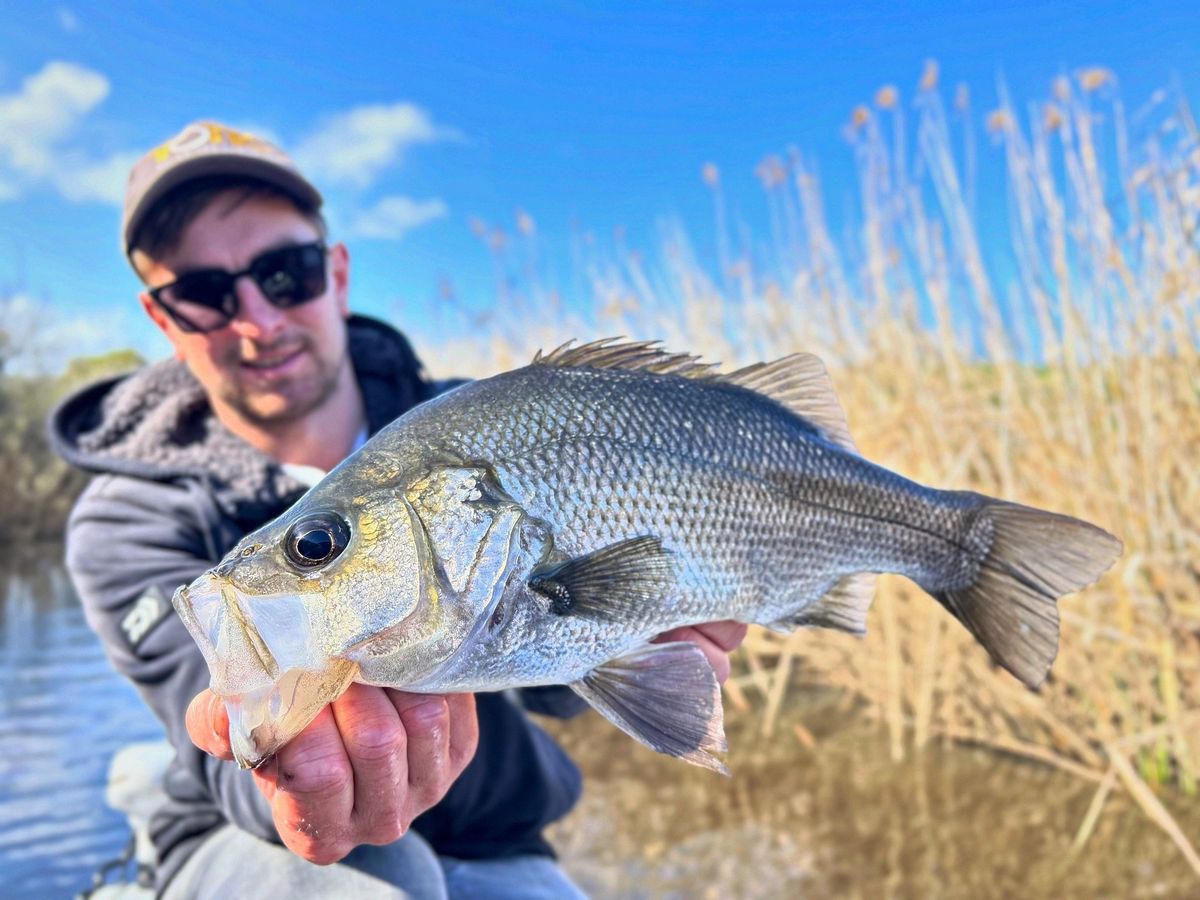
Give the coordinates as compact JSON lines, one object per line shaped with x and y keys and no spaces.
{"x":156,"y":423}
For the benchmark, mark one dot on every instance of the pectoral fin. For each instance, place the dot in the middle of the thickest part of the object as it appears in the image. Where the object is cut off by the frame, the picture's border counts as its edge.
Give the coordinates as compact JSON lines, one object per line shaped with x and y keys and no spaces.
{"x":611,"y":583}
{"x":665,"y":696}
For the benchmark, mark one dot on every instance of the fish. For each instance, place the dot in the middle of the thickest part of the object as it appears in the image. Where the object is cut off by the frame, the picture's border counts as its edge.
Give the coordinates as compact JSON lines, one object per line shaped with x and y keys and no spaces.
{"x":544,"y":525}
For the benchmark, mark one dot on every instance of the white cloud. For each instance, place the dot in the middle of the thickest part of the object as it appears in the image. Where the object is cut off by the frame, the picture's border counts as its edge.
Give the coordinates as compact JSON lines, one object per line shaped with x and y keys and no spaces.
{"x":354,"y":147}
{"x":45,"y":111}
{"x":42,"y":131}
{"x":101,"y":181}
{"x":393,"y":217}
{"x":43,"y":338}
{"x":37,"y":123}
{"x":67,"y":20}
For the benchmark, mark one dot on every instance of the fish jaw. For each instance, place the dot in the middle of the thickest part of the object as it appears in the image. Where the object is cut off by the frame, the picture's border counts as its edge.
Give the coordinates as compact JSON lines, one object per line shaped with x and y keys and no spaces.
{"x":263,"y":720}
{"x":264,"y":662}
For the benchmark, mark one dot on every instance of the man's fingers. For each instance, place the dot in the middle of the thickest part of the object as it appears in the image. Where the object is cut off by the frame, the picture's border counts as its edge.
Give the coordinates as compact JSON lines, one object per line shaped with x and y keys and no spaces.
{"x":207,"y":724}
{"x":266,"y":776}
{"x":717,"y":655}
{"x":426,"y":719}
{"x":464,"y":731}
{"x":314,"y":794}
{"x":377,"y":747}
{"x":728,"y":635}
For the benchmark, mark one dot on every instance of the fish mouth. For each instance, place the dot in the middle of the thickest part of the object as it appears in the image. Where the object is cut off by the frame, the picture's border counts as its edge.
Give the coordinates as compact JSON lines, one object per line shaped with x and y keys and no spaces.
{"x":263,"y":720}
{"x":263,"y":662}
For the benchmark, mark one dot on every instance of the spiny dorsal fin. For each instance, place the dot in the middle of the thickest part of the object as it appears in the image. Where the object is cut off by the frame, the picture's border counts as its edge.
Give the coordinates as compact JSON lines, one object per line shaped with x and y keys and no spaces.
{"x":801,"y":383}
{"x":617,"y":353}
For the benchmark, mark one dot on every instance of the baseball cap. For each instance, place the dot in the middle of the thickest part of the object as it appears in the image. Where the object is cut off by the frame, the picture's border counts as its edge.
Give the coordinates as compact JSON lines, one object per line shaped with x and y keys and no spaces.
{"x":203,"y":149}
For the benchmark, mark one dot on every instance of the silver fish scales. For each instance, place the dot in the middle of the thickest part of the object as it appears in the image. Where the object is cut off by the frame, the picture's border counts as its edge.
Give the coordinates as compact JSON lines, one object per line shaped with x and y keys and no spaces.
{"x":542,"y":526}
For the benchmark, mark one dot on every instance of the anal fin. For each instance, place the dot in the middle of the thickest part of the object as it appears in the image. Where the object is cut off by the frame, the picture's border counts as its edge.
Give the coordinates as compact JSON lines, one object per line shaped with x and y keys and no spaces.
{"x":844,"y":607}
{"x":665,"y":696}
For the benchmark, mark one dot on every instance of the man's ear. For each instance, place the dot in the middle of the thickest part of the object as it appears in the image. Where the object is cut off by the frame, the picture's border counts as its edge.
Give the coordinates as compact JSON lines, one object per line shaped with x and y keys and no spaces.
{"x":159,"y":318}
{"x":339,"y":273}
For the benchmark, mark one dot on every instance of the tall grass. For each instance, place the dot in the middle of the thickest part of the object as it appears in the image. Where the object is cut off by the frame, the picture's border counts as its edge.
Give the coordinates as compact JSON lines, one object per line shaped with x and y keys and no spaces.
{"x":1063,"y":373}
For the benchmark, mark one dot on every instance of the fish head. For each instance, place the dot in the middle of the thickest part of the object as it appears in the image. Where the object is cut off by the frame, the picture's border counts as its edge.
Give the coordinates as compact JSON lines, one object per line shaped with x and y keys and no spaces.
{"x":372,"y":578}
{"x":281,"y":620}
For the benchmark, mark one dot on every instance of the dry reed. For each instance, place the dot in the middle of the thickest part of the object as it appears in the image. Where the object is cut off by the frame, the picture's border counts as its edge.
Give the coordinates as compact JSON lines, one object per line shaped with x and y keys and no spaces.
{"x":1075,"y":387}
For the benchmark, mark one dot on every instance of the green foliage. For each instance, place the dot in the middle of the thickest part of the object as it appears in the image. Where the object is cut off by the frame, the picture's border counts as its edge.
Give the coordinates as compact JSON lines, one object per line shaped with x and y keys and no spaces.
{"x":37,"y":488}
{"x":85,"y":369}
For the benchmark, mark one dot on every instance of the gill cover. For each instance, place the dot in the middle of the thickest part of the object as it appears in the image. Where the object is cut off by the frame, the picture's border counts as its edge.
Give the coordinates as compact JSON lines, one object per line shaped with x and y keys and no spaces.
{"x":467,"y":531}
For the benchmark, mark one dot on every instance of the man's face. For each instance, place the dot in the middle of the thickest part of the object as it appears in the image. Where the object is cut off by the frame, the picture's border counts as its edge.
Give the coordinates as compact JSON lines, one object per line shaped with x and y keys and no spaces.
{"x":268,"y":364}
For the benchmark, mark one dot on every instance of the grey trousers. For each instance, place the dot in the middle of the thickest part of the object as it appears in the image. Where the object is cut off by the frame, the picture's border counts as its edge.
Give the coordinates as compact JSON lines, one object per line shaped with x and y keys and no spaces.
{"x":232,"y":864}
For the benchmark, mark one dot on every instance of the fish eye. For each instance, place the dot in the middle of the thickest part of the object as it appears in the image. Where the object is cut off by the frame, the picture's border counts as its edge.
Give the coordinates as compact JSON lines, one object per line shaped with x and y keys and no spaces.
{"x":316,"y":540}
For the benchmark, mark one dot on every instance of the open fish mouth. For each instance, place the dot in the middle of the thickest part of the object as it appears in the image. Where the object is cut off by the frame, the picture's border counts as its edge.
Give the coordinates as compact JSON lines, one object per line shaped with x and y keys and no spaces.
{"x":265,"y":663}
{"x":263,"y":720}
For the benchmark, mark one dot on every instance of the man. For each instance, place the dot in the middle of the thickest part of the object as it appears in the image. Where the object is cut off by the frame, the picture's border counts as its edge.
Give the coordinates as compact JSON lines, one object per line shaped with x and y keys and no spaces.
{"x":273,"y":383}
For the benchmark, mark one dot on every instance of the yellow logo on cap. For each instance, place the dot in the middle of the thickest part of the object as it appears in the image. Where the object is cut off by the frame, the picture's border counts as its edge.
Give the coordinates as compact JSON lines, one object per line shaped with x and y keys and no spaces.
{"x":200,"y":135}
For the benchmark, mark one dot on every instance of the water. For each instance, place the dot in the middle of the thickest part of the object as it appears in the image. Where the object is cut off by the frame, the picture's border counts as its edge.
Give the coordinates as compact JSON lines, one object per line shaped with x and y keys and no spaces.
{"x":63,"y":713}
{"x":841,"y":820}
{"x":838,"y":820}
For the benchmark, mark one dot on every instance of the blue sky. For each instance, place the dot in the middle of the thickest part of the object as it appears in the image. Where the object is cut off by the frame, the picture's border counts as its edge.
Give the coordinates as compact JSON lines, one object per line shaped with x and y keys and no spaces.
{"x":415,"y":121}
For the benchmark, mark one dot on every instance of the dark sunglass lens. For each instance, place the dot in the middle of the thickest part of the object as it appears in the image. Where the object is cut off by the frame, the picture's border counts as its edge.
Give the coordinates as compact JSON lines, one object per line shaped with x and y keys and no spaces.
{"x":205,"y":300}
{"x":291,"y":275}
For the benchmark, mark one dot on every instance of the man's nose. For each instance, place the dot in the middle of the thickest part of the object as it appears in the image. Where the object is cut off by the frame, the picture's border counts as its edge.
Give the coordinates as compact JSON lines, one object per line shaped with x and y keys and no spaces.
{"x":257,"y":317}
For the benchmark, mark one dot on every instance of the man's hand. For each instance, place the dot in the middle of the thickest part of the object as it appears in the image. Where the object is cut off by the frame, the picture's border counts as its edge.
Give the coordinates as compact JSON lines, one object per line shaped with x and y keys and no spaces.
{"x":716,"y":639}
{"x":370,"y":763}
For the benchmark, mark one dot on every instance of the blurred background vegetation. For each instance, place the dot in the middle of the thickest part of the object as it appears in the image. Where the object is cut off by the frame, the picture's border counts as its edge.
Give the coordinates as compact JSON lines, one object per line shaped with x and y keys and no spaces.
{"x":37,"y":488}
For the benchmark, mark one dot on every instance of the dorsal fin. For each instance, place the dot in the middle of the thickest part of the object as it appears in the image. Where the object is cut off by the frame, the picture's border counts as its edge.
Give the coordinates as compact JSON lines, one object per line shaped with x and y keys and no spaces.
{"x":800,"y":381}
{"x":617,"y":353}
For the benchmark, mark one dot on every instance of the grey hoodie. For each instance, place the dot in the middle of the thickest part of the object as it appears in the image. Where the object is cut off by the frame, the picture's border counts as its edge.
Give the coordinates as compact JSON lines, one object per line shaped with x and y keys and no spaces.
{"x":173,"y":491}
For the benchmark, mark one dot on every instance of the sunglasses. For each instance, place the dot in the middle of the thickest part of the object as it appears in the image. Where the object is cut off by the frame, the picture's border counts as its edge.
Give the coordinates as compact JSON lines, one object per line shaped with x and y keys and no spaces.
{"x":206,"y":299}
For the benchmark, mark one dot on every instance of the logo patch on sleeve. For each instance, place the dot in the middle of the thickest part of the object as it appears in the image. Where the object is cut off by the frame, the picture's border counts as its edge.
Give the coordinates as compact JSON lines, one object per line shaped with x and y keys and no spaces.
{"x":150,"y":609}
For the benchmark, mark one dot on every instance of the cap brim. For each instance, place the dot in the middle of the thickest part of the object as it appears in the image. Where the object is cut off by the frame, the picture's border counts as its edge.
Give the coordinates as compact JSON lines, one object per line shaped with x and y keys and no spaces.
{"x":208,"y":164}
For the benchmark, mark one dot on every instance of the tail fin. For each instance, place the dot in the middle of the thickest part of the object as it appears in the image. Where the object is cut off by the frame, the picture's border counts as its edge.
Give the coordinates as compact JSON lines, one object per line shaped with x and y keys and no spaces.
{"x":1035,"y":557}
